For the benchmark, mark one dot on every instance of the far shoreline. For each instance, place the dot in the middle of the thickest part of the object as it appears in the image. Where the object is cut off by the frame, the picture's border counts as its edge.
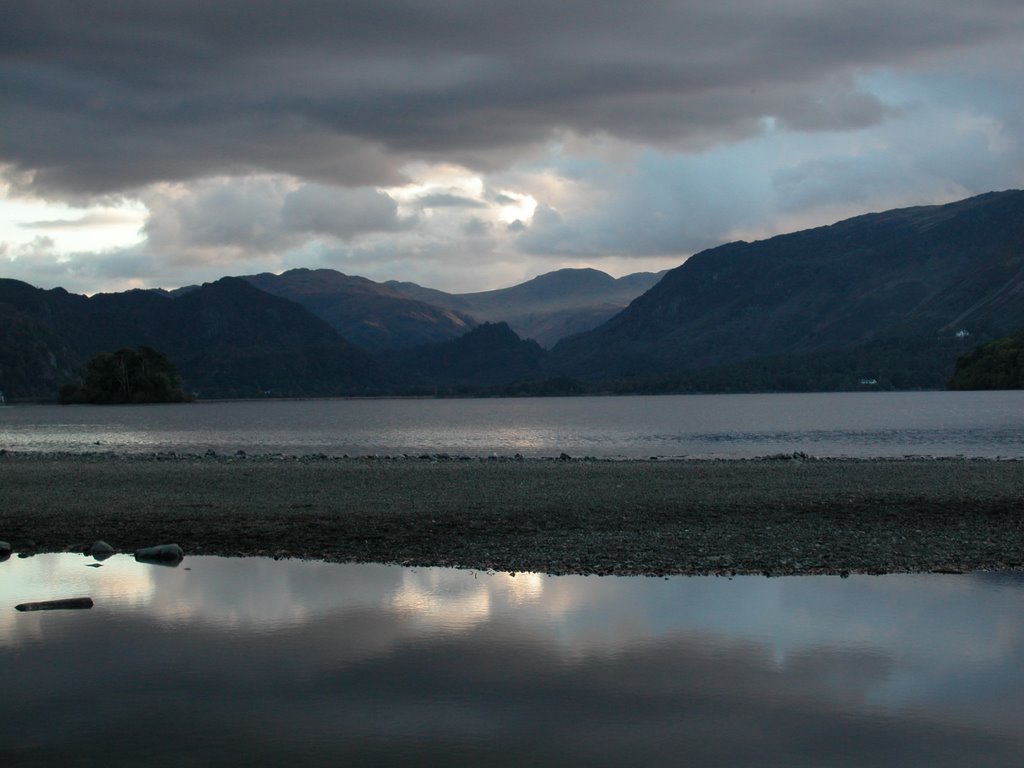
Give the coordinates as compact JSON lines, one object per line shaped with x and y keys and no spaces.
{"x":525,"y":396}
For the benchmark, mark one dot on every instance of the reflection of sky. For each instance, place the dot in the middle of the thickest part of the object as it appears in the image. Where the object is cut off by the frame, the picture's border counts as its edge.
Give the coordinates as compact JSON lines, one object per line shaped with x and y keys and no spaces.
{"x":929,"y":664}
{"x":122,"y":583}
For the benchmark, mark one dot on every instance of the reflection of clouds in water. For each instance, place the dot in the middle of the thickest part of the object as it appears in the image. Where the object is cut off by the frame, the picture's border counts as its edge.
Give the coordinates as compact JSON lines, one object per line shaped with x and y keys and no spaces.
{"x":255,"y":593}
{"x":970,"y":620}
{"x":492,"y":695}
{"x":259,"y":594}
{"x":452,"y":601}
{"x":524,"y":587}
{"x":119,"y":581}
{"x":924,"y":634}
{"x":959,"y":614}
{"x":229,"y":598}
{"x":298,"y":659}
{"x":442,"y":601}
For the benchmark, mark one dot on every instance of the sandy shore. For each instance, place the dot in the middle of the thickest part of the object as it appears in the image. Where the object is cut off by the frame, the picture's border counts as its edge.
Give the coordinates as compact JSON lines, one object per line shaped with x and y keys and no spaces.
{"x":778,"y":516}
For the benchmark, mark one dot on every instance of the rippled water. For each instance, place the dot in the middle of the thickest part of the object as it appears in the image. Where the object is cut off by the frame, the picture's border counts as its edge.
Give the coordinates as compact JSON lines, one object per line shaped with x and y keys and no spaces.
{"x":223,"y":661}
{"x":832,"y":424}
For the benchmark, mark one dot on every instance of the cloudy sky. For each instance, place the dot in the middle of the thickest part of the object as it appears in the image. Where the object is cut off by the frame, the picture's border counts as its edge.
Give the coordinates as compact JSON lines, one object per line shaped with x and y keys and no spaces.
{"x":473,"y":144}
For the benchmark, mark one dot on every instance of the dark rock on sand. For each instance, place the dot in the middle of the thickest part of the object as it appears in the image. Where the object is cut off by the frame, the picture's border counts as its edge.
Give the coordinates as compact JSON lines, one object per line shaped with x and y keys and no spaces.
{"x":162,"y":554}
{"x":101,"y":550}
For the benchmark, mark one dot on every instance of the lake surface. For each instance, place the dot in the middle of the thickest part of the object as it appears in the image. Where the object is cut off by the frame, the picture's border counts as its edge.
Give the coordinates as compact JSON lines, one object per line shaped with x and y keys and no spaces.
{"x":985,"y":424}
{"x":229,"y":661}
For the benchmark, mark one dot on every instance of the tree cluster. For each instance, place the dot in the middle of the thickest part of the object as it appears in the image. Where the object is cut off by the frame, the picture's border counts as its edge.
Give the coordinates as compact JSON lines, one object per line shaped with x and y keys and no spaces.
{"x":140,"y":375}
{"x":996,"y":365}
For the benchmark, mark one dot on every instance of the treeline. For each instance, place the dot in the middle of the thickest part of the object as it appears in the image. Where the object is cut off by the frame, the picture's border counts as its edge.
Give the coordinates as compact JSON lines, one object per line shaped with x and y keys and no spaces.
{"x":883,"y":365}
{"x":144,"y":375}
{"x":996,"y":365}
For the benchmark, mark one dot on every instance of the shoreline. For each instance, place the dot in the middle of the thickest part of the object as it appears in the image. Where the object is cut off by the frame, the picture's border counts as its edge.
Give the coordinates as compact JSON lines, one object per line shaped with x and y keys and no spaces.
{"x":778,"y":515}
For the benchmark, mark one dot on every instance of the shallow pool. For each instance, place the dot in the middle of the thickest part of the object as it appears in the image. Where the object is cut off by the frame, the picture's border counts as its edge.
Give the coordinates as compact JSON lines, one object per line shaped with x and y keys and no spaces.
{"x":224,"y":661}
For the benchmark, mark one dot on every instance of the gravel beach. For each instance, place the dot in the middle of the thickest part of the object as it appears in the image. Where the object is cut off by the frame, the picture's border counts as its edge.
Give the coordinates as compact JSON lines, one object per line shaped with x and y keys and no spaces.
{"x":778,"y":515}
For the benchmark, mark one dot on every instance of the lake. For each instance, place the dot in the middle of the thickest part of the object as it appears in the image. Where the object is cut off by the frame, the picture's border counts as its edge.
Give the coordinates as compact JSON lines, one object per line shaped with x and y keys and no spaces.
{"x":225,"y":661}
{"x":221,"y":661}
{"x":984,"y":424}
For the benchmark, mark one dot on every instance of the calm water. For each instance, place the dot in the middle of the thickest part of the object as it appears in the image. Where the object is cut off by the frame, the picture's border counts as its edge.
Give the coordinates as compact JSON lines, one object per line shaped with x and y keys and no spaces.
{"x":223,"y":661}
{"x":834,"y":424}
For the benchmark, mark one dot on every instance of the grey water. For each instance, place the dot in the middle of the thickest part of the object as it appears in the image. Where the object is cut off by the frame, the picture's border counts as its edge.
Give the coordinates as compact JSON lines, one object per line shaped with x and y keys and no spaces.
{"x":227,"y":661}
{"x":983,"y":424}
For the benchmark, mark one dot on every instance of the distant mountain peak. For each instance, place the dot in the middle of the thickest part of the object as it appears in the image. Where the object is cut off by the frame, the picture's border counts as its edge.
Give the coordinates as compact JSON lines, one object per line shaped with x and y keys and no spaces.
{"x":549,"y":307}
{"x":372,"y":315}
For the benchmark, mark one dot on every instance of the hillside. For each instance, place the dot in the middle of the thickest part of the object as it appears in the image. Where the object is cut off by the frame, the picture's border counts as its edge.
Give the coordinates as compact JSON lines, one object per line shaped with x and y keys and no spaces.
{"x":231,"y":339}
{"x":34,"y":360}
{"x":226,"y":339}
{"x":489,"y":355}
{"x":916,"y":275}
{"x":371,"y":315}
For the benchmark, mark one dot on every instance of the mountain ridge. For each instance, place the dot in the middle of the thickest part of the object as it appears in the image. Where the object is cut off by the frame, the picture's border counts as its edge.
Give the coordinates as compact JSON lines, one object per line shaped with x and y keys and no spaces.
{"x":369,"y":314}
{"x":920,"y":271}
{"x":546,"y":308}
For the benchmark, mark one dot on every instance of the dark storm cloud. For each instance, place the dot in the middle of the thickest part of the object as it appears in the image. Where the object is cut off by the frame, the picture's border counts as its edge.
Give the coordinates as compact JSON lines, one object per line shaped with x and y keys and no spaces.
{"x":105,"y":96}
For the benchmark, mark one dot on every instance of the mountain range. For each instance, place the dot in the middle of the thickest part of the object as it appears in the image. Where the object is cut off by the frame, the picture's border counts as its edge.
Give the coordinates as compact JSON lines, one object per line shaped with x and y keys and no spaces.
{"x":301,"y":333}
{"x":887,"y":299}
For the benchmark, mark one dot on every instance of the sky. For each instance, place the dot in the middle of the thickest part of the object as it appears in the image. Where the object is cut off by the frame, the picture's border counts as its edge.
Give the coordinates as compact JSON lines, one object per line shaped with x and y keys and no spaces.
{"x":473,"y":144}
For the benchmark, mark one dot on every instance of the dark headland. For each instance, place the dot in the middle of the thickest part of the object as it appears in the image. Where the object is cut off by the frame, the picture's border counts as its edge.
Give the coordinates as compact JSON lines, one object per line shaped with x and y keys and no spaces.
{"x":779,"y":515}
